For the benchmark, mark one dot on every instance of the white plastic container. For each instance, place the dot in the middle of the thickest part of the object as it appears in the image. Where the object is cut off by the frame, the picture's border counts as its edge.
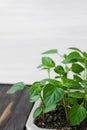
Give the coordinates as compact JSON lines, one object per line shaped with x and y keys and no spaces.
{"x":30,"y":122}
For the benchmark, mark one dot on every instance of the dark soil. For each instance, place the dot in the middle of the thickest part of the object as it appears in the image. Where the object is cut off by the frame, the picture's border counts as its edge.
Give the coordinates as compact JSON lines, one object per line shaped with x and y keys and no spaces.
{"x":57,"y":120}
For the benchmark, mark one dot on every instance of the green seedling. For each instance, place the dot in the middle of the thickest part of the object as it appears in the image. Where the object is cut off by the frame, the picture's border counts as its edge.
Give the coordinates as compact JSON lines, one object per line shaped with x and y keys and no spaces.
{"x":61,"y":89}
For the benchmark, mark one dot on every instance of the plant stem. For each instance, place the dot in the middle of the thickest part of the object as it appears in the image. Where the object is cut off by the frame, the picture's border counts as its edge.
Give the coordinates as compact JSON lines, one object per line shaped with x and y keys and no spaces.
{"x":42,"y":100}
{"x":68,"y":91}
{"x":64,"y":104}
{"x":84,"y":103}
{"x":43,"y":106}
{"x":49,"y":73}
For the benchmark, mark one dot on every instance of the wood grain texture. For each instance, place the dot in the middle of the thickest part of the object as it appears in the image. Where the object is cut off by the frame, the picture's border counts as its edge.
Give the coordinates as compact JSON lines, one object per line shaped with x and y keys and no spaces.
{"x":14,"y":109}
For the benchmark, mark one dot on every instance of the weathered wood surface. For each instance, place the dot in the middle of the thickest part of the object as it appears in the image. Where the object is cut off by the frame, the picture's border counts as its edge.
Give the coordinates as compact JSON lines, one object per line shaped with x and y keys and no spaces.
{"x":14,"y":109}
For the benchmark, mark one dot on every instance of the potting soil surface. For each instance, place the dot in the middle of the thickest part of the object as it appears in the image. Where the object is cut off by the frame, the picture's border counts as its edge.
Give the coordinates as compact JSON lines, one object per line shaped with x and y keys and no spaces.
{"x":57,"y":120}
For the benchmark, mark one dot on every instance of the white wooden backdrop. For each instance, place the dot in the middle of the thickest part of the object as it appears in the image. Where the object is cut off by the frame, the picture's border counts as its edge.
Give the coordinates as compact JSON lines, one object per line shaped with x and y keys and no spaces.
{"x":29,"y":27}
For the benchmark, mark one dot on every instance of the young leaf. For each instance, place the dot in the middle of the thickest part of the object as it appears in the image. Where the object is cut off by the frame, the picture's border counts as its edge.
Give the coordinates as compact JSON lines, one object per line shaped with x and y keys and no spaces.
{"x":85,"y":62}
{"x":77,"y":114}
{"x":76,"y":49}
{"x":85,"y":58}
{"x":85,"y":54}
{"x":71,"y":100}
{"x":70,"y":83}
{"x":84,"y":83}
{"x":52,"y":51}
{"x":55,"y":82}
{"x":52,"y":94}
{"x":72,"y":57}
{"x":77,"y":68}
{"x":76,"y":94}
{"x":41,"y":67}
{"x":85,"y":97}
{"x":47,"y":61}
{"x":50,"y":108}
{"x":34,"y":91}
{"x":59,"y":69}
{"x":77,"y":78}
{"x":16,"y":87}
{"x":51,"y":81}
{"x":34,"y":98}
{"x":37,"y":112}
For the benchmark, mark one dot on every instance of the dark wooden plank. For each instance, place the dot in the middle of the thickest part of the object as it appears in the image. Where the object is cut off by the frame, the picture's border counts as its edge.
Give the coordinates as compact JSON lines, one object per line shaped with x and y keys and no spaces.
{"x":14,"y":109}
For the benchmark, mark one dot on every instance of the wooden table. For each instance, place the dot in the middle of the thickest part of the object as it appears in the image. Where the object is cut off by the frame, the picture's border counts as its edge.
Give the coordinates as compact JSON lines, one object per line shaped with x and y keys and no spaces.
{"x":14,"y":109}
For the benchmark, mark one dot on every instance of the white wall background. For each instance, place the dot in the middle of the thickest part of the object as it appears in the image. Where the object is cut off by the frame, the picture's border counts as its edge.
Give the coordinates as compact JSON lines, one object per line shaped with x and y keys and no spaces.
{"x":29,"y":27}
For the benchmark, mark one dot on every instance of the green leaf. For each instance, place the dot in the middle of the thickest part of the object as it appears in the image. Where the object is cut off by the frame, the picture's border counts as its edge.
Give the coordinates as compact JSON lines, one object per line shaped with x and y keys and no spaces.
{"x":52,"y":94}
{"x":54,"y":82}
{"x":47,"y":61}
{"x":85,"y":62}
{"x":37,"y":112}
{"x":52,"y":51}
{"x":51,"y":81}
{"x":76,"y":94}
{"x":85,"y":58}
{"x":72,"y":57}
{"x":85,"y":54}
{"x":77,"y":78}
{"x":59,"y":69}
{"x":16,"y":87}
{"x":70,"y":83}
{"x":71,"y":100}
{"x":41,"y":67}
{"x":84,"y":83}
{"x":34,"y":91}
{"x":85,"y":97}
{"x":50,"y":108}
{"x":77,"y":114}
{"x":34,"y":98}
{"x":76,"y":49}
{"x":77,"y":68}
